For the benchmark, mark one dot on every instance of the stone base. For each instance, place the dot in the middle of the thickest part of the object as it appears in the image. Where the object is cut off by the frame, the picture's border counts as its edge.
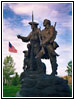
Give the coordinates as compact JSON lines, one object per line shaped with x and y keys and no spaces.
{"x":42,"y":85}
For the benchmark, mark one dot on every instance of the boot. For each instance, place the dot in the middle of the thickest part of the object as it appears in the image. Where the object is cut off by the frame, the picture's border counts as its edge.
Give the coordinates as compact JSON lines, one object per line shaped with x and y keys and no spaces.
{"x":54,"y":73}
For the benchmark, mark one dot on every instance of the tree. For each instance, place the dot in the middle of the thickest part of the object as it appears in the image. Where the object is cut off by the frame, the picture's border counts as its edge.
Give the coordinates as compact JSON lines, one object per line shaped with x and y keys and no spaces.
{"x":69,"y":68}
{"x":8,"y":69}
{"x":16,"y":80}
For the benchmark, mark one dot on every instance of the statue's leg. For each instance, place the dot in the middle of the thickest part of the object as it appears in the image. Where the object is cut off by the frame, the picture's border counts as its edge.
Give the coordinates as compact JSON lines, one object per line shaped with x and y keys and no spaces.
{"x":41,"y":66}
{"x":40,"y":54}
{"x":52,"y":59}
{"x":24,"y":64}
{"x":54,"y":64}
{"x":51,"y":50}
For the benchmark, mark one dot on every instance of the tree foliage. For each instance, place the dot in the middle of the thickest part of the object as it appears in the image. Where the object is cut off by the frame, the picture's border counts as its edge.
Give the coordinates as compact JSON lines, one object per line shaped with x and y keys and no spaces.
{"x":16,"y":80}
{"x":69,"y":68}
{"x":8,"y":68}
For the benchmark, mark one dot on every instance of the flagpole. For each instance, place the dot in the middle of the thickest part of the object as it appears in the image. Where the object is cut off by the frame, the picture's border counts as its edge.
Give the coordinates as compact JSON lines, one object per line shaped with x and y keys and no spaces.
{"x":8,"y":50}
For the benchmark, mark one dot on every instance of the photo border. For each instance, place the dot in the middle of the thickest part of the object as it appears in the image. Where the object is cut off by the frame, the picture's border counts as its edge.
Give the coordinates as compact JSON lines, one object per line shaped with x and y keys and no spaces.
{"x":72,"y":54}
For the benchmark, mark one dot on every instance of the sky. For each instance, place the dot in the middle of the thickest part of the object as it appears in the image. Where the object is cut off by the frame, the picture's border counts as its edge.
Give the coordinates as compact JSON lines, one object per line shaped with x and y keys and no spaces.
{"x":16,"y":17}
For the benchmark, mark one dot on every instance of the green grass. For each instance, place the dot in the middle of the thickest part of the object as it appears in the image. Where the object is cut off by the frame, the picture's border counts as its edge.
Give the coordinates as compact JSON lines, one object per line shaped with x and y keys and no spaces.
{"x":71,"y":90}
{"x":10,"y":91}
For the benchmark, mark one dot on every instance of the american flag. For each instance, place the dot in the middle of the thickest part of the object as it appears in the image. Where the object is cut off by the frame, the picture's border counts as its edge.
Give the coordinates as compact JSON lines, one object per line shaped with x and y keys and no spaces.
{"x":12,"y":48}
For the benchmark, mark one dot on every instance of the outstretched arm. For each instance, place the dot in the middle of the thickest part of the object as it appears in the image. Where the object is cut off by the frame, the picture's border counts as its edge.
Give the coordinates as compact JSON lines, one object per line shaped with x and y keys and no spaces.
{"x":24,"y":39}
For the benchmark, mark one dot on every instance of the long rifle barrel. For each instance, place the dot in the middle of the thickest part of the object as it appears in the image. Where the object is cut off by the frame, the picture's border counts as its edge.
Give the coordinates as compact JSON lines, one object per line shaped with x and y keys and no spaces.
{"x":55,"y":24}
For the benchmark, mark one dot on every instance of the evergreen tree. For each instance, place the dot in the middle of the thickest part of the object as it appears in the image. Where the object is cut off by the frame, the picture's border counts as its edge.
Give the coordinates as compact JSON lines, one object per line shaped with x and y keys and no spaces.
{"x":69,"y":68}
{"x":16,"y":80}
{"x":8,"y":69}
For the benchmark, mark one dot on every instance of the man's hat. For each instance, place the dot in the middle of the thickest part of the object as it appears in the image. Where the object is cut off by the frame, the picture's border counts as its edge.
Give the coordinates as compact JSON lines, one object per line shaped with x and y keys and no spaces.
{"x":35,"y":23}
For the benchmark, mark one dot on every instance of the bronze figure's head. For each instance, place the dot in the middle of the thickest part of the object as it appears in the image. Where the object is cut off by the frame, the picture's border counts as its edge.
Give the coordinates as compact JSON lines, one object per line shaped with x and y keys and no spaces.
{"x":46,"y":22}
{"x":33,"y":25}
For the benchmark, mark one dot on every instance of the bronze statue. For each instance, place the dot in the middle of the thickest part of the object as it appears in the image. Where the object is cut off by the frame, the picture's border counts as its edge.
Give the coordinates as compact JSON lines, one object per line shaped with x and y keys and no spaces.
{"x":33,"y":48}
{"x":34,"y":81}
{"x":48,"y":45}
{"x":42,"y":45}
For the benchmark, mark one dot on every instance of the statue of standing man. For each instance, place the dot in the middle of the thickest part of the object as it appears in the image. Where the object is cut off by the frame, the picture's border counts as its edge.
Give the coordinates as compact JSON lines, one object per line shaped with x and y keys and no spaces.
{"x":48,"y":45}
{"x":33,"y":47}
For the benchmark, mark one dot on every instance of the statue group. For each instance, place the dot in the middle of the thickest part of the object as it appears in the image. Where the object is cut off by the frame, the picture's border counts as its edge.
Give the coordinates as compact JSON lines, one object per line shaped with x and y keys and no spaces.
{"x":41,"y":45}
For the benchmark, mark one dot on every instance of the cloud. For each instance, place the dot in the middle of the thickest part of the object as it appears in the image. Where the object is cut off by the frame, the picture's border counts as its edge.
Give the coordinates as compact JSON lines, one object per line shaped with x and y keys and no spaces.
{"x":9,"y":34}
{"x":27,"y":8}
{"x":56,"y":13}
{"x":5,"y":6}
{"x":41,"y":10}
{"x":65,"y":52}
{"x":25,"y":22}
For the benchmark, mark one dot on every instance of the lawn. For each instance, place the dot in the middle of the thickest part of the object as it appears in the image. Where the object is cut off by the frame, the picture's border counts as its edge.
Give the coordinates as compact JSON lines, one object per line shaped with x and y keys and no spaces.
{"x":10,"y":91}
{"x":71,"y":90}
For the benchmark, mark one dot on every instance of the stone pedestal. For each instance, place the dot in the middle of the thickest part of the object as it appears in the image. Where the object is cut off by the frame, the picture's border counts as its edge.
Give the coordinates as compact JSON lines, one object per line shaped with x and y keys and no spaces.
{"x":42,"y":85}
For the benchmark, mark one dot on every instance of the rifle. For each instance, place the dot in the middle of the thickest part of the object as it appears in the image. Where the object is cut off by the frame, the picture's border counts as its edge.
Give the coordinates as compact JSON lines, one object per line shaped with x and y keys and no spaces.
{"x":55,"y":24}
{"x":41,"y":42}
{"x":32,"y":58}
